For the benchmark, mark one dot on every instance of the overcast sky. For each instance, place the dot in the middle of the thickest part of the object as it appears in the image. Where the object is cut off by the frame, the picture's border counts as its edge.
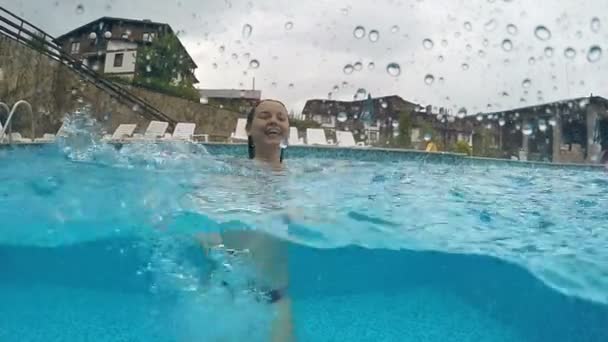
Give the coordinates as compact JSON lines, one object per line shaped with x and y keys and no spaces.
{"x":313,"y":53}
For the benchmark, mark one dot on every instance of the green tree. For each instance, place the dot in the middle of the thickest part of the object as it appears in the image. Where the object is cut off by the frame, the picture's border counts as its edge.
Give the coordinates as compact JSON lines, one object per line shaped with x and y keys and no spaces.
{"x":163,"y":66}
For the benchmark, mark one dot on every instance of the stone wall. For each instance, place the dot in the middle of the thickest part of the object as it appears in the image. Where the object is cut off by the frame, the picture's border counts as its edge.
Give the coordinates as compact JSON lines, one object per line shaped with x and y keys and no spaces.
{"x":54,"y":90}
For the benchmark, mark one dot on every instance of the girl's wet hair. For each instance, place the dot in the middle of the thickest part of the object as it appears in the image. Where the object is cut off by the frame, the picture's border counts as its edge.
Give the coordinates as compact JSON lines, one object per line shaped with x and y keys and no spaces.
{"x":250,"y":116}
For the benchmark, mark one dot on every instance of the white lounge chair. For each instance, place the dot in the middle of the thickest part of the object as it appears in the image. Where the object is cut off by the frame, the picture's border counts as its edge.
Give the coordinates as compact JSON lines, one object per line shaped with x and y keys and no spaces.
{"x":240,"y":132}
{"x":293,"y":137}
{"x":345,"y":139}
{"x":156,"y":130}
{"x":315,"y":136}
{"x":124,"y":131}
{"x":46,"y":138}
{"x":183,"y":131}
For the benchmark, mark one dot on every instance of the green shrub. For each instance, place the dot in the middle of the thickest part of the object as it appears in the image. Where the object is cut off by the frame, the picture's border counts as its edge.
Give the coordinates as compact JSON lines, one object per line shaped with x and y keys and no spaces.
{"x":462,"y":147}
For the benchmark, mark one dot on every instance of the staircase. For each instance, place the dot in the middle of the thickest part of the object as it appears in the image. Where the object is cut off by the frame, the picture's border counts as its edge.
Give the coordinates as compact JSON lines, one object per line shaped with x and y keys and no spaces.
{"x":23,"y":32}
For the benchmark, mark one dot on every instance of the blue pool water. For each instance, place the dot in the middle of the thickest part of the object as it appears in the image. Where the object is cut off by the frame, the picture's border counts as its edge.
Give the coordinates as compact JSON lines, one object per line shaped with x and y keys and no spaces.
{"x":98,"y":244}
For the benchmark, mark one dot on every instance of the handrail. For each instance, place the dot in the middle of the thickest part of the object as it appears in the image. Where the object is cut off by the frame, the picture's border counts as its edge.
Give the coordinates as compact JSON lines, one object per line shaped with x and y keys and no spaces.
{"x":46,"y":44}
{"x":10,"y":116}
{"x":7,"y":109}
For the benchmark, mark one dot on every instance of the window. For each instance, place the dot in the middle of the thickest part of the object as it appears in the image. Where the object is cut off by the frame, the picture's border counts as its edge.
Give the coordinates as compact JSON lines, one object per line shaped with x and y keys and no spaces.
{"x":118,"y":59}
{"x":149,"y":36}
{"x":75,"y":48}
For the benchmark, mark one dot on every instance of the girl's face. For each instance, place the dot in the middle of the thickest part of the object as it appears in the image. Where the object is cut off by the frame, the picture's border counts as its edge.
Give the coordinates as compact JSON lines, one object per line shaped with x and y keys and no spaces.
{"x":270,"y":124}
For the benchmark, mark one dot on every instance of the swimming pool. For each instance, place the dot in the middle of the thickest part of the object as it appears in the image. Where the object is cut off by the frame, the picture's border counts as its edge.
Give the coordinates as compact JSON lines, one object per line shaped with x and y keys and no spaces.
{"x":97,"y":244}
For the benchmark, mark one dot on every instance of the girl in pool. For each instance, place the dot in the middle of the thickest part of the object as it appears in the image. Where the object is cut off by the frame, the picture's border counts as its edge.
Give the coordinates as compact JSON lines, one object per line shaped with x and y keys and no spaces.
{"x":267,"y":127}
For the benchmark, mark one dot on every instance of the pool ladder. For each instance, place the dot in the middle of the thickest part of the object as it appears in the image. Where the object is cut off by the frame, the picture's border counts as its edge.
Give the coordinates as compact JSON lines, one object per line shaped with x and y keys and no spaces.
{"x":11,"y":113}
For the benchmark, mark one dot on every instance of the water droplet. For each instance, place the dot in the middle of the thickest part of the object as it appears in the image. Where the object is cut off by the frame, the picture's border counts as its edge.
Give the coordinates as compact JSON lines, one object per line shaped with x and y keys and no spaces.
{"x":80,"y":9}
{"x":247,"y":29}
{"x":552,"y":122}
{"x":512,"y":29}
{"x":479,"y":117}
{"x":395,"y":124}
{"x":342,"y":117}
{"x":468,"y":26}
{"x":358,"y":66}
{"x":393,"y":69}
{"x":507,"y":45}
{"x":429,"y":79}
{"x":336,"y":88}
{"x":384,"y":105}
{"x":441,"y":81}
{"x":235,"y":56}
{"x":570,"y":53}
{"x":481,"y":53}
{"x":374,"y":35}
{"x":427,"y":137}
{"x":527,"y":130}
{"x":348,"y":69}
{"x":107,"y":35}
{"x":371,"y":66}
{"x":290,"y":86}
{"x":214,"y":65}
{"x":359,"y":32}
{"x":526,"y":83}
{"x":595,"y":24}
{"x":204,"y":100}
{"x":462,"y":113}
{"x":148,"y":68}
{"x":135,"y":108}
{"x":531,"y":60}
{"x":501,"y":122}
{"x":594,"y":54}
{"x":548,"y":52}
{"x":93,"y":36}
{"x":288,"y":26}
{"x":444,"y":43}
{"x":254,"y":64}
{"x":490,"y":25}
{"x":579,"y":34}
{"x":542,"y":33}
{"x":542,"y":125}
{"x":469,"y":47}
{"x":464,"y":66}
{"x":440,"y":58}
{"x":284,"y":144}
{"x":395,"y":29}
{"x":428,"y":44}
{"x":222,"y":49}
{"x":485,"y":42}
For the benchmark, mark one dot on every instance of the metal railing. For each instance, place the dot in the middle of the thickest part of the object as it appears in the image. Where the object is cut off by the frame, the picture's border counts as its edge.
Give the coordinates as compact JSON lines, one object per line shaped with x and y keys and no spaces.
{"x":23,"y":32}
{"x":12,"y":112}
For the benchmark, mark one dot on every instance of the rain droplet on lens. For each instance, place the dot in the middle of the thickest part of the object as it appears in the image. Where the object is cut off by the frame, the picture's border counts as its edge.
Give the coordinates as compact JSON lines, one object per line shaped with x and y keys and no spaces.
{"x":595,"y":24}
{"x":290,"y":86}
{"x":481,"y":53}
{"x":348,"y":69}
{"x":374,"y":35}
{"x":395,"y":29}
{"x":542,"y":125}
{"x":542,"y":33}
{"x":148,"y":68}
{"x":427,"y":137}
{"x":214,"y":65}
{"x":358,"y":66}
{"x":479,"y":117}
{"x":527,"y":130}
{"x":288,"y":26}
{"x":485,"y":42}
{"x":222,"y":49}
{"x":501,"y":122}
{"x":247,"y":29}
{"x":428,"y":44}
{"x":80,"y":9}
{"x":526,"y":83}
{"x":440,"y":58}
{"x":462,"y":113}
{"x":342,"y":117}
{"x":570,"y":53}
{"x":594,"y":54}
{"x":393,"y":69}
{"x":254,"y":64}
{"x":552,"y":122}
{"x":359,"y":32}
{"x":429,"y":79}
{"x":531,"y":60}
{"x":235,"y":56}
{"x":490,"y":25}
{"x":384,"y":105}
{"x":512,"y":29}
{"x":444,"y":43}
{"x":371,"y":66}
{"x":549,"y":51}
{"x":464,"y":66}
{"x":507,"y":45}
{"x":468,"y":26}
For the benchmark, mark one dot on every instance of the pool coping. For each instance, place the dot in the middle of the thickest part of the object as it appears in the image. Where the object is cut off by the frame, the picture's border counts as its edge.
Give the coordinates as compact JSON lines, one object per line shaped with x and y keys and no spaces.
{"x":358,"y":149}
